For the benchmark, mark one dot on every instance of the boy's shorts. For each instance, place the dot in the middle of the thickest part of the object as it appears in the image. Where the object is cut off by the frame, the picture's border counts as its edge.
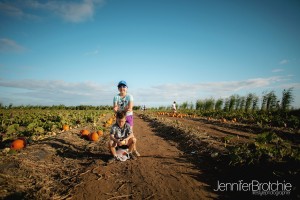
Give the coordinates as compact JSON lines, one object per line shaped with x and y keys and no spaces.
{"x":129,"y":120}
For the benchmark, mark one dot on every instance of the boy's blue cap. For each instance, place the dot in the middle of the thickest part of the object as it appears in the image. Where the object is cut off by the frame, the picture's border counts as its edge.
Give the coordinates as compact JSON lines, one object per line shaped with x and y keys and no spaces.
{"x":122,"y":83}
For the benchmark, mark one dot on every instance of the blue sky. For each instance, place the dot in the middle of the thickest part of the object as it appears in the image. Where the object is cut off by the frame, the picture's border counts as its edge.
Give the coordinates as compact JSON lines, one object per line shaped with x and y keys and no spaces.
{"x":75,"y":52}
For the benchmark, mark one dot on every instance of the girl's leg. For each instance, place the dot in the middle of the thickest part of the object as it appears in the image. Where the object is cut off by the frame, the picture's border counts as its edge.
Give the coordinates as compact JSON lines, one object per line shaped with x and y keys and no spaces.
{"x":129,"y":120}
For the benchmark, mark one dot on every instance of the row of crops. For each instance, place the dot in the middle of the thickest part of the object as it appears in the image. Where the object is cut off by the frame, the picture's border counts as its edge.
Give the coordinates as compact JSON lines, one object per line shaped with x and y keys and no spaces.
{"x":29,"y":122}
{"x":268,"y":147}
{"x":290,"y":120}
{"x":36,"y":121}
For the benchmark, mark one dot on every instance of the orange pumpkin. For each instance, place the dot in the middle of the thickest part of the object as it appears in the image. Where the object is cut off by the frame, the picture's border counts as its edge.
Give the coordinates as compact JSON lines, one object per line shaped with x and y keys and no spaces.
{"x":66,"y":127}
{"x":84,"y":132}
{"x":100,"y":132}
{"x":18,"y":144}
{"x":94,"y":136}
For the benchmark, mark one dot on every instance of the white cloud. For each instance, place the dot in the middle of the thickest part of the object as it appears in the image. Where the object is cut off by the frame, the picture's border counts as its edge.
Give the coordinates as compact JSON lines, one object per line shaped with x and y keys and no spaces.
{"x":10,"y":10}
{"x":167,"y":93}
{"x":8,"y":45}
{"x":220,"y":86}
{"x":52,"y":85}
{"x":57,"y":92}
{"x":277,"y":70}
{"x":73,"y":11}
{"x":283,"y":62}
{"x":15,"y":11}
{"x":70,"y":11}
{"x":49,"y":92}
{"x":295,"y":86}
{"x":90,"y":53}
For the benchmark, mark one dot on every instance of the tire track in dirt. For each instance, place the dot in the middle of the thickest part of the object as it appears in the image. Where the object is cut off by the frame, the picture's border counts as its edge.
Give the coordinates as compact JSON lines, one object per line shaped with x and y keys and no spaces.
{"x":217,"y":129}
{"x":162,"y":172}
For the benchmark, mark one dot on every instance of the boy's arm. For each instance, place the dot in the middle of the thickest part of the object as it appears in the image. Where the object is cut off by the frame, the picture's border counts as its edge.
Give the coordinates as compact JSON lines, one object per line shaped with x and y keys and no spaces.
{"x":112,"y":137}
{"x":118,"y":141}
{"x":130,"y":135}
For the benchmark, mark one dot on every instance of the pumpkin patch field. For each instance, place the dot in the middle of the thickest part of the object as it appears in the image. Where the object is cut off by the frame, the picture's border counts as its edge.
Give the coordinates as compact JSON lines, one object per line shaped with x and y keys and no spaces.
{"x":42,"y":151}
{"x":63,"y":154}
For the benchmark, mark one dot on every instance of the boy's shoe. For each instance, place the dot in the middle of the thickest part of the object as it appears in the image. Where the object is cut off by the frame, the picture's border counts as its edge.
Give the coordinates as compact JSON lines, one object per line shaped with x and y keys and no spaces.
{"x":137,"y":153}
{"x":113,"y":159}
{"x":131,"y":156}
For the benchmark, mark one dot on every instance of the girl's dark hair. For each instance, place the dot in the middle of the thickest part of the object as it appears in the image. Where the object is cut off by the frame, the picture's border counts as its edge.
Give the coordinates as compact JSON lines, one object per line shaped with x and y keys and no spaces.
{"x":120,"y":114}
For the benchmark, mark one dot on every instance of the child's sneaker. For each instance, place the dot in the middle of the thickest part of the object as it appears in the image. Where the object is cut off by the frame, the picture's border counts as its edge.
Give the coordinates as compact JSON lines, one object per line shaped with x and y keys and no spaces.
{"x":137,"y":153}
{"x":131,"y":156}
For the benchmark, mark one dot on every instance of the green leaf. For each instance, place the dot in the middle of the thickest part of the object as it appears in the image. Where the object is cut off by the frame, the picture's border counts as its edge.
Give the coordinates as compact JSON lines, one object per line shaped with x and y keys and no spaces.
{"x":31,"y":126}
{"x":12,"y":129}
{"x":39,"y":129}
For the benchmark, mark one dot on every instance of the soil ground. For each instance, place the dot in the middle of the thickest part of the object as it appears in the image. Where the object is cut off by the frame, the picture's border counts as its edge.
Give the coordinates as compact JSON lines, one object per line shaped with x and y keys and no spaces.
{"x":68,"y":166}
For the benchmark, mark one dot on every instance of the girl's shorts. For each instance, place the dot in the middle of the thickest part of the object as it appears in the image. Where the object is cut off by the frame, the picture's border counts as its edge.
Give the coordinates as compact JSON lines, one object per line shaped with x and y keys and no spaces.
{"x":129,"y":120}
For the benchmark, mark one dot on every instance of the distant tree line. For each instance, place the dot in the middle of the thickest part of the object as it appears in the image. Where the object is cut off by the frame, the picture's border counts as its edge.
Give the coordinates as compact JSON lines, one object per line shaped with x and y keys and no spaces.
{"x":248,"y":103}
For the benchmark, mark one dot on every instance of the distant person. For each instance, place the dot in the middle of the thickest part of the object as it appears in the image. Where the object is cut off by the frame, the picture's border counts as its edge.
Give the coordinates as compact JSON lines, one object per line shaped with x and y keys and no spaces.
{"x":278,"y":105}
{"x":121,"y":136}
{"x":174,"y":107}
{"x":124,"y":102}
{"x":144,"y":108}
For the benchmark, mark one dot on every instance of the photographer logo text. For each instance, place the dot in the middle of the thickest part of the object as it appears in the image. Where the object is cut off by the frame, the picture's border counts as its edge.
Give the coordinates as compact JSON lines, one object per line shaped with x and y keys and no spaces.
{"x":257,"y":188}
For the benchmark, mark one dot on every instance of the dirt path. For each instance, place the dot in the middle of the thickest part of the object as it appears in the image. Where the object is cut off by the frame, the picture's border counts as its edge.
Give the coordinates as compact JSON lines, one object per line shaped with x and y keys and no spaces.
{"x":162,"y":172}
